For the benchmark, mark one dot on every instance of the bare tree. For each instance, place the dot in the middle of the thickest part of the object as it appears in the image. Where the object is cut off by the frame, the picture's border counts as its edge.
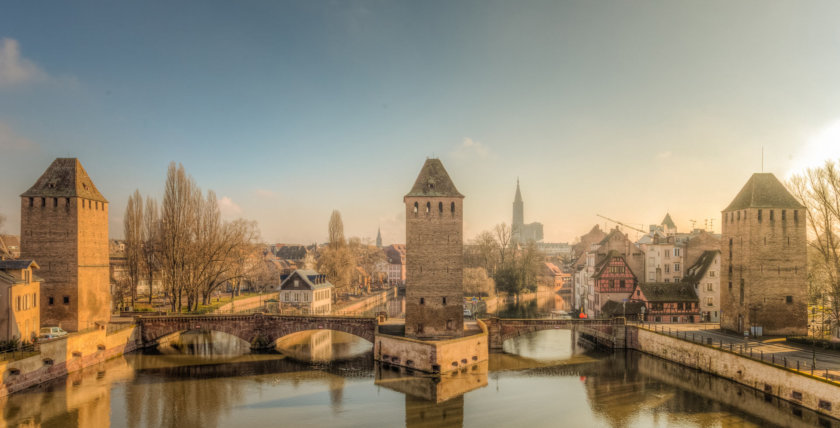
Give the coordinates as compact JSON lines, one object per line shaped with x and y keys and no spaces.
{"x":336,"y":230}
{"x":335,"y":260}
{"x":819,"y":190}
{"x":5,"y":253}
{"x":133,"y":233}
{"x":503,"y":238}
{"x":151,"y":237}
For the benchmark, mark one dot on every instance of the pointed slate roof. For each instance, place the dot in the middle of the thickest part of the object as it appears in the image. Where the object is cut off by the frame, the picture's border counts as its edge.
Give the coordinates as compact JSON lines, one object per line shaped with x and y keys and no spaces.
{"x":695,"y":273}
{"x":668,"y":222}
{"x":434,"y":181}
{"x":763,"y":190}
{"x":64,"y":178}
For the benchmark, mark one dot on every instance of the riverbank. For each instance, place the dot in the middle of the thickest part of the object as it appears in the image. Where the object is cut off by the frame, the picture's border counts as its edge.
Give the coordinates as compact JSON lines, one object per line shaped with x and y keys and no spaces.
{"x":58,"y":357}
{"x":799,"y":387}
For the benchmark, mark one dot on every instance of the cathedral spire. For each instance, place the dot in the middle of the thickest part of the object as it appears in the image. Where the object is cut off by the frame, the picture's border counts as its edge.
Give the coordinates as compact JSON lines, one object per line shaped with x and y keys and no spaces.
{"x":378,"y":237}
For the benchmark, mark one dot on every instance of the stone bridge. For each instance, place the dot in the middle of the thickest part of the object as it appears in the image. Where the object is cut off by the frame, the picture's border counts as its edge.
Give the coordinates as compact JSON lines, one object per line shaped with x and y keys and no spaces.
{"x":609,"y":333}
{"x":260,"y":330}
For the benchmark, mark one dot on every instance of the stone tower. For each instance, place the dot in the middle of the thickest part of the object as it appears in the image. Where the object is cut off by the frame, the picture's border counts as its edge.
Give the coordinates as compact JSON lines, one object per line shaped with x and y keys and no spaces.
{"x":64,"y":227}
{"x":763,"y":260}
{"x":434,"y":283}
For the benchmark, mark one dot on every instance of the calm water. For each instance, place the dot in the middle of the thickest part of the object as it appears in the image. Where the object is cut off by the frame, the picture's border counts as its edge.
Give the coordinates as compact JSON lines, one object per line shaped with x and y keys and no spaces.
{"x":545,"y":379}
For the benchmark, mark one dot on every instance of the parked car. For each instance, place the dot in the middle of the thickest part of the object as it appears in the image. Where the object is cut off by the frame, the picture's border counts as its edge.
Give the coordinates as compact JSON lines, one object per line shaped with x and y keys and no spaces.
{"x":51,"y":332}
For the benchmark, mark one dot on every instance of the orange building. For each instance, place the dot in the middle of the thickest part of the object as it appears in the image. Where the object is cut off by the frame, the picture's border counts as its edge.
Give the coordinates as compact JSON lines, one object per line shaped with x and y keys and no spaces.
{"x":20,"y":290}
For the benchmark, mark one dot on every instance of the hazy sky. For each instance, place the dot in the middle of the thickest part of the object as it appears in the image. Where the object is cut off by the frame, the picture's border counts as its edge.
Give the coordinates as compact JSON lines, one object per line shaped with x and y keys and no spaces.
{"x":291,"y":109}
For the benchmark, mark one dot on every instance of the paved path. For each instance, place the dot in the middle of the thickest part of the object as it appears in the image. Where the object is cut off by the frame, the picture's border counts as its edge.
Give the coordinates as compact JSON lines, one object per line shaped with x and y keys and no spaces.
{"x":771,"y":348}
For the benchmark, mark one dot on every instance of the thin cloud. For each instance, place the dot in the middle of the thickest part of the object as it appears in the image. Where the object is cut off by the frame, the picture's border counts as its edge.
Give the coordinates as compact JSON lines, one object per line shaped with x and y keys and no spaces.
{"x":663,"y":155}
{"x":228,"y":207}
{"x":470,"y":148}
{"x":15,"y":70}
{"x":11,"y":141}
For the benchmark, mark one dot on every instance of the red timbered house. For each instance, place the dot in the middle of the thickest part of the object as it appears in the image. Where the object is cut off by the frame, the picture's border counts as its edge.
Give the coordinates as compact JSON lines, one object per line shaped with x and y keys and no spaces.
{"x":668,"y":302}
{"x":614,"y":280}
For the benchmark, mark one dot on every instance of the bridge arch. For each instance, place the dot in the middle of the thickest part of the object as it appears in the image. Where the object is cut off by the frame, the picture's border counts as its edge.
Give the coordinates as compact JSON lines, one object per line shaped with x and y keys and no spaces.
{"x":259,"y":330}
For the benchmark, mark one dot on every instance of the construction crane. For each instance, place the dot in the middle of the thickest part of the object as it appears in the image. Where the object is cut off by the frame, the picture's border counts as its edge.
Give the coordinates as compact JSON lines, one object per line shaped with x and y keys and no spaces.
{"x":622,"y":224}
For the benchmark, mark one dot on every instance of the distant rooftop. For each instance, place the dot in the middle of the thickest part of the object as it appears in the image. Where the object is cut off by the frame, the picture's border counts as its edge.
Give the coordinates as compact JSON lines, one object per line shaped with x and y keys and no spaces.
{"x":763,"y":190}
{"x":65,"y":178}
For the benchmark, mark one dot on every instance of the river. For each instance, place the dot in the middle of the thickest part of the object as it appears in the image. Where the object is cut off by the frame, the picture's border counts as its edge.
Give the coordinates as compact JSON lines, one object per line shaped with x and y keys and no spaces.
{"x":329,"y":379}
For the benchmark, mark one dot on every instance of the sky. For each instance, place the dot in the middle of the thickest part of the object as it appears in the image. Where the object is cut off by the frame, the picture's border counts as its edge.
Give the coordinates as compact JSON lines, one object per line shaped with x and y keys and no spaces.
{"x":291,"y":109}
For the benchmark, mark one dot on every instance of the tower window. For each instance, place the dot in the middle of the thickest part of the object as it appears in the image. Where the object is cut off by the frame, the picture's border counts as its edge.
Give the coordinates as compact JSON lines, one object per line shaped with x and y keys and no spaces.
{"x":739,"y":215}
{"x":55,"y":202}
{"x":795,"y":216}
{"x":452,"y":208}
{"x":50,"y":301}
{"x":31,"y":202}
{"x":444,"y":301}
{"x":66,"y":202}
{"x":440,"y":208}
{"x":428,"y":207}
{"x":759,"y":215}
{"x":422,"y":301}
{"x":784,"y":215}
{"x":66,"y":300}
{"x":43,"y":202}
{"x":771,"y":215}
{"x":415,"y":209}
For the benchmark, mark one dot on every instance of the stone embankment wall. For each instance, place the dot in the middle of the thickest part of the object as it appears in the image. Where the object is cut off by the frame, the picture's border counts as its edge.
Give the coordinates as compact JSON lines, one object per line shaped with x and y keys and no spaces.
{"x":246,"y":304}
{"x":796,"y":387}
{"x":68,"y":354}
{"x":368,"y":303}
{"x":432,"y":356}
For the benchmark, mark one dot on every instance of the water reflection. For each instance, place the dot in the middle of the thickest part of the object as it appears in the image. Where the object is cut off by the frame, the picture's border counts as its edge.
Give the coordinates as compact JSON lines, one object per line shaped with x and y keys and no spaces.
{"x":547,"y":383}
{"x":540,"y":306}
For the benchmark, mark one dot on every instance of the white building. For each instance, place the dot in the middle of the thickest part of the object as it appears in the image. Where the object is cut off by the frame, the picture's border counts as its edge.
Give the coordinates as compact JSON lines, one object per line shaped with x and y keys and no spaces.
{"x":705,"y":276}
{"x":307,"y":291}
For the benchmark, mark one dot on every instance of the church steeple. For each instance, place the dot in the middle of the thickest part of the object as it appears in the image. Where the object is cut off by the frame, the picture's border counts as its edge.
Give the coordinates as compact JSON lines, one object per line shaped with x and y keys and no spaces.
{"x":518,"y":209}
{"x":379,"y":237}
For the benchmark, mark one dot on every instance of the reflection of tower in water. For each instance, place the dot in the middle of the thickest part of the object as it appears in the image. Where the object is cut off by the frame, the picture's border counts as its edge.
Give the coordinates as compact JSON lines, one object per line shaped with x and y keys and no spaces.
{"x":433,"y":401}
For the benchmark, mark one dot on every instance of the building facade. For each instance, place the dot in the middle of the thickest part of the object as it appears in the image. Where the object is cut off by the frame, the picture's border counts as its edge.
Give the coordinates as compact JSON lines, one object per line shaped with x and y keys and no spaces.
{"x":704,"y":275}
{"x":614,"y":280}
{"x":434,"y":287}
{"x":64,"y":226}
{"x":763,"y":255}
{"x":307,"y":291}
{"x":668,"y":302}
{"x":19,"y":305}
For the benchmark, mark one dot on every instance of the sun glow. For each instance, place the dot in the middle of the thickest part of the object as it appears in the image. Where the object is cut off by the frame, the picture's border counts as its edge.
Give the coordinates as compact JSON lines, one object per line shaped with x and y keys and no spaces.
{"x":823,"y":146}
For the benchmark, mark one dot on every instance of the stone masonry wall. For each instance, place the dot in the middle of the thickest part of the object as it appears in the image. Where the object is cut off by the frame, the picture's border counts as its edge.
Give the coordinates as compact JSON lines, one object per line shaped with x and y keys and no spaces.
{"x":49,"y":229}
{"x":769,"y":258}
{"x":807,"y":391}
{"x":434,"y":267}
